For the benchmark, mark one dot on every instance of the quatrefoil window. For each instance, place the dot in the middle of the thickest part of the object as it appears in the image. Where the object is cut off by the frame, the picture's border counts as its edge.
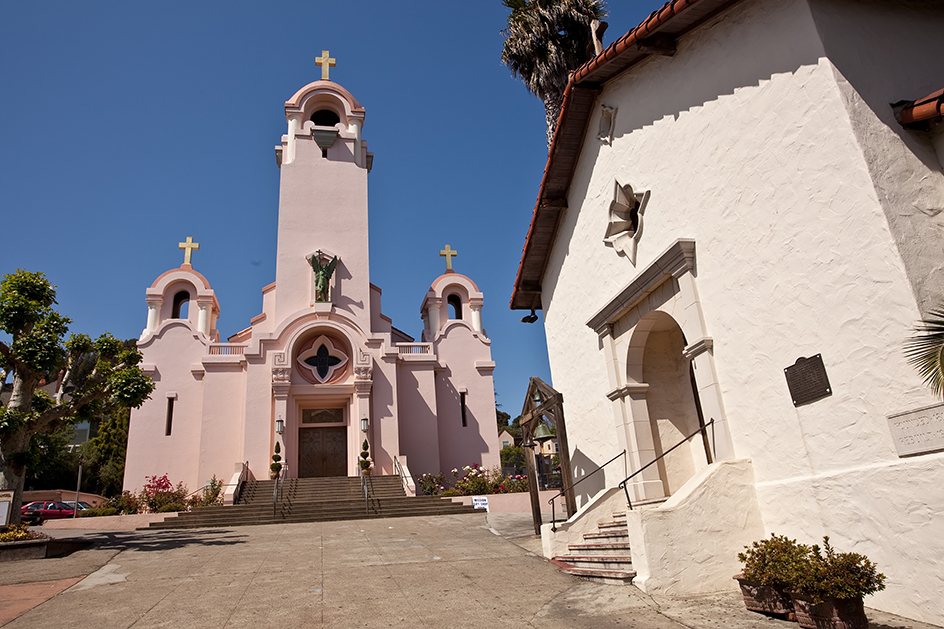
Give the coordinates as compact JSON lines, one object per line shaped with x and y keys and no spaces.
{"x":323,"y":359}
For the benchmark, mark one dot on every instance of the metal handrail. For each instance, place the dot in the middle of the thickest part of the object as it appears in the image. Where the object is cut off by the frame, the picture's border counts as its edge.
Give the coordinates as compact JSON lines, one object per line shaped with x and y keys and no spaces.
{"x":404,"y":483}
{"x":622,"y":485}
{"x":366,"y":493}
{"x":561,"y":493}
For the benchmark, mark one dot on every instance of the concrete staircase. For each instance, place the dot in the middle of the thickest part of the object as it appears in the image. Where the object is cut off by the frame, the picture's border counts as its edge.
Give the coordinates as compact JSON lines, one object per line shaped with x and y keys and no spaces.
{"x":603,"y":556}
{"x":316,"y":500}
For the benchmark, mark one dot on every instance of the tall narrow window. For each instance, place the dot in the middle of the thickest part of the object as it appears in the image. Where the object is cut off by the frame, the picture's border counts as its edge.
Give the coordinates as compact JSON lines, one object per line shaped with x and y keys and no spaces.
{"x":462,"y":402}
{"x":170,"y":416}
{"x":455,"y":306}
{"x":181,"y":305}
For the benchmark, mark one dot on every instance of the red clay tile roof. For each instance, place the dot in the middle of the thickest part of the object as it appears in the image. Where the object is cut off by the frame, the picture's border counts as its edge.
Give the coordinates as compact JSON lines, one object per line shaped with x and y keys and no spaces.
{"x":656,"y":35}
{"x":923,"y":110}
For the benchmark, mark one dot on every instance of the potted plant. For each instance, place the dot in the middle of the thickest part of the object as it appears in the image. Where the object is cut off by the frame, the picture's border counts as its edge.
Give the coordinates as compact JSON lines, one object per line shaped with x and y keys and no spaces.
{"x":771,"y":567}
{"x":365,"y":459}
{"x":828,"y":591}
{"x":276,"y":465}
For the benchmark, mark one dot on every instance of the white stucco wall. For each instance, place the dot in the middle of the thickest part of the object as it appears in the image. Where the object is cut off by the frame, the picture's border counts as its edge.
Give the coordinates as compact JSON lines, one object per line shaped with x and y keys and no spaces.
{"x":755,"y":146}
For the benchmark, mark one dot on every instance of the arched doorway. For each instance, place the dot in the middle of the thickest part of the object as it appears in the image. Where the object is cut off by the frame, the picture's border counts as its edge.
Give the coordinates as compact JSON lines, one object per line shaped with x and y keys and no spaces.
{"x":671,"y":399}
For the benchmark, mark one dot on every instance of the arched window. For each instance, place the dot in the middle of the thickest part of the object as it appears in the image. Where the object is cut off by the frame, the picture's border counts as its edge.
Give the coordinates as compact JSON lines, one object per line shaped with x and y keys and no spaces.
{"x":181,"y":305}
{"x":325,"y":118}
{"x":455,"y":306}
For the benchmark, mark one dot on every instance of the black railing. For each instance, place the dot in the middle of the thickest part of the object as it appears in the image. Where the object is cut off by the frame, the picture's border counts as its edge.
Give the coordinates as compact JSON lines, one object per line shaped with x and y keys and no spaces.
{"x":622,"y":485}
{"x":551,"y":501}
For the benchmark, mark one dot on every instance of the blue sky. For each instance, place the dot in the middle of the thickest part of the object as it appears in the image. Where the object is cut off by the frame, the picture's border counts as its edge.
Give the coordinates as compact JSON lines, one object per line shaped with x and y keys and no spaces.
{"x":126,"y":126}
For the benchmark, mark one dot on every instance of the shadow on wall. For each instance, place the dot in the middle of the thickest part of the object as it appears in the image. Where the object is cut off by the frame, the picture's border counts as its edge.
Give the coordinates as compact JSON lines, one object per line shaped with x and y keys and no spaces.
{"x":469,"y":439}
{"x":582,"y":466}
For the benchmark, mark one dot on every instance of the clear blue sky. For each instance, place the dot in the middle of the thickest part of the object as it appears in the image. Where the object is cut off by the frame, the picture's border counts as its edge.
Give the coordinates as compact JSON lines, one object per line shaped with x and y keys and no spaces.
{"x":127,"y":126}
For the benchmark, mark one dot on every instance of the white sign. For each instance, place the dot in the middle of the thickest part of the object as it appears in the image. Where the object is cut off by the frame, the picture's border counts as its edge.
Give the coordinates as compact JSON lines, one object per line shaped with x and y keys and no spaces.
{"x":919,"y":431}
{"x":480,"y":502}
{"x":6,"y":499}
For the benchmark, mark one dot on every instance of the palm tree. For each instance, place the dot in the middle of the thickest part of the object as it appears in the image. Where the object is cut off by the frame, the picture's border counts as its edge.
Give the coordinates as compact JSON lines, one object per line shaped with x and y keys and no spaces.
{"x":925,"y":350}
{"x":545,"y":41}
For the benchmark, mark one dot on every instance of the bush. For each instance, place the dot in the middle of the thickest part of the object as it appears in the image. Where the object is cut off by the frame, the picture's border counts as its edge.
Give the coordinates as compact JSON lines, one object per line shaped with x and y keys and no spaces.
{"x":125,"y":504}
{"x":828,"y":574}
{"x":158,"y":493}
{"x":775,"y":562}
{"x":99,"y":512}
{"x":212,"y":495}
{"x":21,"y":533}
{"x":432,"y":485}
{"x":477,"y":481}
{"x":451,"y":492}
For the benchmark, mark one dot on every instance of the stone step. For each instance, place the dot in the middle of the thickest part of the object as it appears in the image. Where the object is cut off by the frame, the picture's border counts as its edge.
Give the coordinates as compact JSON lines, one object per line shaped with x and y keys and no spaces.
{"x":620,"y":534}
{"x":601,"y":547}
{"x":606,"y":562}
{"x":612,"y":524}
{"x":614,"y":577}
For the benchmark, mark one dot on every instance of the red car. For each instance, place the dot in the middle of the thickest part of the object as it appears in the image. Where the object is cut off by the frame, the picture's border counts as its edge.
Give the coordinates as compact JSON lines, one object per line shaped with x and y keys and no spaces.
{"x":40,"y":510}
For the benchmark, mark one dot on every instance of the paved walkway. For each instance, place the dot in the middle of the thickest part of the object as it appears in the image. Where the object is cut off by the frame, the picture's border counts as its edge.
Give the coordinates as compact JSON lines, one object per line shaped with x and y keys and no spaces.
{"x":447,"y":571}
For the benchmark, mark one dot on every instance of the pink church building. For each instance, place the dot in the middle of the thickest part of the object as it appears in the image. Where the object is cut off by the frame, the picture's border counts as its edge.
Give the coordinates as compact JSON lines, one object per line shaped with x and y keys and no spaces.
{"x":321,"y":357}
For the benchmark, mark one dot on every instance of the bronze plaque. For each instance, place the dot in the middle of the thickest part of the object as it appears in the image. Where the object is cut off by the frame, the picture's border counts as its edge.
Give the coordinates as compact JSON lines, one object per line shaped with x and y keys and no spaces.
{"x":322,"y":452}
{"x":322,"y":415}
{"x":807,"y":380}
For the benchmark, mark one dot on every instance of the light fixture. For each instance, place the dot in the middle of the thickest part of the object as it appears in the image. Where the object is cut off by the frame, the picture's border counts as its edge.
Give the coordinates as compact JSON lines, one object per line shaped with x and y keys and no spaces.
{"x":531,"y":318}
{"x":365,"y":424}
{"x":279,"y":426}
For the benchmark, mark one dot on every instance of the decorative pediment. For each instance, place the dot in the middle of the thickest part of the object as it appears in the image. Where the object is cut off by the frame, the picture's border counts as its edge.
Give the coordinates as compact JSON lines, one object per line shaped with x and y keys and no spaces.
{"x":625,"y":220}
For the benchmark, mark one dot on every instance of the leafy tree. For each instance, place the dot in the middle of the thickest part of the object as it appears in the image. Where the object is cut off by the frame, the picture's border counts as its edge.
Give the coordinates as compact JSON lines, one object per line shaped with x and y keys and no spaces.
{"x":545,"y":41}
{"x":513,"y":456}
{"x":89,"y":372}
{"x":502,"y":418}
{"x":925,"y":350}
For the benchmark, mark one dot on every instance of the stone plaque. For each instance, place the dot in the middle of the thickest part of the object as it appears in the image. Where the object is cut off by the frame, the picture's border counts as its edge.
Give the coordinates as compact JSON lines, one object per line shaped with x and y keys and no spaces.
{"x":919,"y":431}
{"x":6,"y":507}
{"x":807,"y":380}
{"x":322,"y":415}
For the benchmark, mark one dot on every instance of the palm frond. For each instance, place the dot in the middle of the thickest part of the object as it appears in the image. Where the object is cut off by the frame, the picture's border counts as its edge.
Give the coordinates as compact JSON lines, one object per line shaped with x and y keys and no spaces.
{"x":925,"y":350}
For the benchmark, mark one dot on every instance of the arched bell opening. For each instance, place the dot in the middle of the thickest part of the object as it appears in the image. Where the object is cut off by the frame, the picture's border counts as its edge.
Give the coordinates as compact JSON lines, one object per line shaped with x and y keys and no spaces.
{"x":325,"y":118}
{"x":181,"y":309}
{"x":454,"y":303}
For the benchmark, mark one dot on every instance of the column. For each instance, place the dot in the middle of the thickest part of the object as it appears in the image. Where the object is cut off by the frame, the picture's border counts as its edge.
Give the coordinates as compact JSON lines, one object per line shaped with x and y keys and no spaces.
{"x":203,"y":316}
{"x":154,"y":307}
{"x":476,"y":308}
{"x":434,"y":306}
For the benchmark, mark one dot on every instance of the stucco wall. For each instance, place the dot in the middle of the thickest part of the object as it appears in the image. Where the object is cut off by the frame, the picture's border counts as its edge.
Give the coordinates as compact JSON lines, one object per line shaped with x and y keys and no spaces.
{"x":752,"y":144}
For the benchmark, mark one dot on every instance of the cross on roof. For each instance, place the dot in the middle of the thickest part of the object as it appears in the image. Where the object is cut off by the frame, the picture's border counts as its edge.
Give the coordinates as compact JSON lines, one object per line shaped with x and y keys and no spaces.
{"x":449,"y":254}
{"x":189,"y":247}
{"x":325,"y":62}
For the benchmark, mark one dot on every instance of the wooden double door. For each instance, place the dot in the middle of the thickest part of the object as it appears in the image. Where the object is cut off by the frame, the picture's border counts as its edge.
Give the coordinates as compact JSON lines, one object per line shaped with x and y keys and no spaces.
{"x":322,"y":451}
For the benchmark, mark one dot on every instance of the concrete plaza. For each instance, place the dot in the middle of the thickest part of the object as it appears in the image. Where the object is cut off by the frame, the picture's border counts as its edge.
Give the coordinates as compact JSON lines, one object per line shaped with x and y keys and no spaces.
{"x":446,"y":571}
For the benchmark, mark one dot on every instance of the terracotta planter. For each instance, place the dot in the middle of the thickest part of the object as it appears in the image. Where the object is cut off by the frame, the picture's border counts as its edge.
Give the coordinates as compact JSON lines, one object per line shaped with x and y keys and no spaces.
{"x":766,"y":599}
{"x":365,"y":471}
{"x":834,"y":613}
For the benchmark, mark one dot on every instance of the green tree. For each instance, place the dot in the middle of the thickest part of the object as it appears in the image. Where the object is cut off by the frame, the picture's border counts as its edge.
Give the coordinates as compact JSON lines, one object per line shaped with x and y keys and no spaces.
{"x":925,"y":350}
{"x":502,"y":418}
{"x":513,"y":456}
{"x":88,"y":372}
{"x":545,"y":41}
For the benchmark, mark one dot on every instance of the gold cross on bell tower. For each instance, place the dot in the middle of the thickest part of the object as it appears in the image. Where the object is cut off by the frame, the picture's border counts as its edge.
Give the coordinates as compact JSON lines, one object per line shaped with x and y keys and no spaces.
{"x":325,"y":62}
{"x":449,"y":254}
{"x":189,"y":247}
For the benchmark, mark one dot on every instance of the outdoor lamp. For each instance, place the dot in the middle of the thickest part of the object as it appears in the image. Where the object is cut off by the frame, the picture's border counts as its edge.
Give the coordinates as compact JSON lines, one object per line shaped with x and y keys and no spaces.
{"x":365,"y":423}
{"x":279,"y":425}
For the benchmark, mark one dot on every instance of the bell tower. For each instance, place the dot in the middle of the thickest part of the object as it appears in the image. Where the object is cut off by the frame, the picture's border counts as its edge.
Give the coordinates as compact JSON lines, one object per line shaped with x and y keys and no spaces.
{"x":323,"y":222}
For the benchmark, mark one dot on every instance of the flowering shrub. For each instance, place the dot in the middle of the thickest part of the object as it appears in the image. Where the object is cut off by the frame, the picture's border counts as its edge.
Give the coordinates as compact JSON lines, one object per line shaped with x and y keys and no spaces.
{"x":432,"y":485}
{"x":20,"y":533}
{"x":478,"y":481}
{"x":160,"y":496}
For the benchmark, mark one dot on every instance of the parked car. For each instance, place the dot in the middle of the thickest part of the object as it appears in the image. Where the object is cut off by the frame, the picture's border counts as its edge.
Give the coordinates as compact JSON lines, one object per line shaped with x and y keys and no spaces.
{"x":39,"y":510}
{"x":82,"y":504}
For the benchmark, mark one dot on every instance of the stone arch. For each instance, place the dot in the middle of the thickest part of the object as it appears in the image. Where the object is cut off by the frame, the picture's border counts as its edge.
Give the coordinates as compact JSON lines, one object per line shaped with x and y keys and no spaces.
{"x":657,"y":365}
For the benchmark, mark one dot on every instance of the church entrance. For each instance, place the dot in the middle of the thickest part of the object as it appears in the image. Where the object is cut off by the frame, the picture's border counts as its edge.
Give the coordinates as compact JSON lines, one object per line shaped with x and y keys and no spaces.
{"x":322,"y":452}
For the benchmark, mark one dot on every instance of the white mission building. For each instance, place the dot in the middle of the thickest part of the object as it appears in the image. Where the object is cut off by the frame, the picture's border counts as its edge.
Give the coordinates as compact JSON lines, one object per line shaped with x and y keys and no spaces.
{"x":740,"y":221}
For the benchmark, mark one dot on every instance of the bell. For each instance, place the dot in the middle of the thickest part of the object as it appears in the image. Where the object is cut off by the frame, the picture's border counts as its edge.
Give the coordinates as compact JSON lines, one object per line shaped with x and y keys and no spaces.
{"x":542,"y":434}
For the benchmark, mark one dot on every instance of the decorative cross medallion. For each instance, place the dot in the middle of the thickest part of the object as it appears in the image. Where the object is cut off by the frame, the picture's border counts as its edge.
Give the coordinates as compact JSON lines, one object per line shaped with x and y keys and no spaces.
{"x":189,"y":247}
{"x":449,"y":254}
{"x":323,"y":359}
{"x":325,"y":62}
{"x":322,"y":362}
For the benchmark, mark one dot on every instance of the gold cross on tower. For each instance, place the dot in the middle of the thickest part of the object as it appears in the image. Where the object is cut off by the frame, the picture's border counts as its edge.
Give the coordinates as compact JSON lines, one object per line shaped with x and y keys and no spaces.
{"x":448,"y":254}
{"x":325,"y":62}
{"x":189,"y":247}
